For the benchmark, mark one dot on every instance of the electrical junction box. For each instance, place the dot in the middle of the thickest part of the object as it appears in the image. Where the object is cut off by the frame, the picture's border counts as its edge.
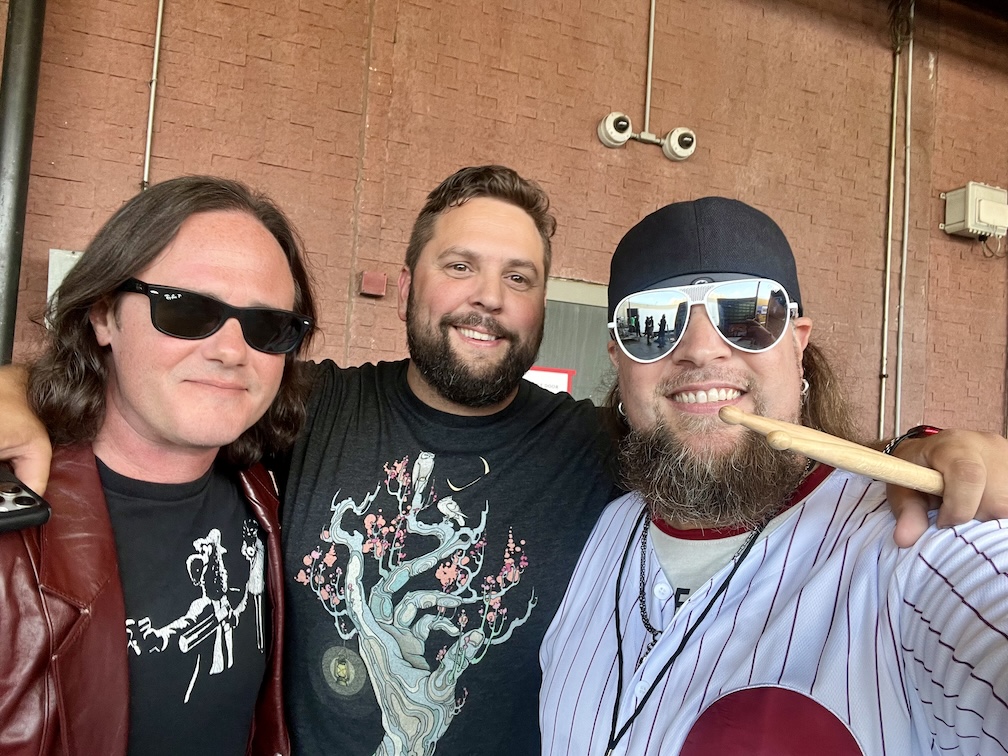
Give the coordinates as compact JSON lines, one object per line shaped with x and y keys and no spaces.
{"x":976,"y":210}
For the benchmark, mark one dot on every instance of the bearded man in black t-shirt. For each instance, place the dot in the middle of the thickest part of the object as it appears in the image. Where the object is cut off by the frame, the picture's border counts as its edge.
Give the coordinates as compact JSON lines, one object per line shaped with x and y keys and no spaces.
{"x":436,"y":506}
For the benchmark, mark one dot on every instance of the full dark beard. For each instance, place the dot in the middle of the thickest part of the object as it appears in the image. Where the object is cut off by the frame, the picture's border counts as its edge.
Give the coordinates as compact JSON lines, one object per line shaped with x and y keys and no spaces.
{"x":741,"y":489}
{"x":452,"y":377}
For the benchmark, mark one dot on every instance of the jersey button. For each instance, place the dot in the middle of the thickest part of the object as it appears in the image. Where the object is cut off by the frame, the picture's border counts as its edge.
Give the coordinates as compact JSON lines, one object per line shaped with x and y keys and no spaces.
{"x":640,"y":690}
{"x":662,"y":591}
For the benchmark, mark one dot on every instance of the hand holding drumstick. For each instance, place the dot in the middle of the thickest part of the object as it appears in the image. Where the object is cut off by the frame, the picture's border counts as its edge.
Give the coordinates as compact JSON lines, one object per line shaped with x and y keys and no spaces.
{"x":837,"y":452}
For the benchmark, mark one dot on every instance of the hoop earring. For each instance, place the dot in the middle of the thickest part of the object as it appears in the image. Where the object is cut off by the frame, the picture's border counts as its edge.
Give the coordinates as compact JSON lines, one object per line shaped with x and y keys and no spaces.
{"x":620,"y":410}
{"x":804,"y":389}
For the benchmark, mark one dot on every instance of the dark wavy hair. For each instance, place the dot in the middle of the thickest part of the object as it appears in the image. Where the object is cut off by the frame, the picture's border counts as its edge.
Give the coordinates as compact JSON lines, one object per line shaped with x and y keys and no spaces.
{"x":493,"y":181}
{"x":66,"y":385}
{"x":825,"y":408}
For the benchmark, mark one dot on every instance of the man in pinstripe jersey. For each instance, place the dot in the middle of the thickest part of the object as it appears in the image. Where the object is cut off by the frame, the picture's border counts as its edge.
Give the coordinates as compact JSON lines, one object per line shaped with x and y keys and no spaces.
{"x":746,"y":601}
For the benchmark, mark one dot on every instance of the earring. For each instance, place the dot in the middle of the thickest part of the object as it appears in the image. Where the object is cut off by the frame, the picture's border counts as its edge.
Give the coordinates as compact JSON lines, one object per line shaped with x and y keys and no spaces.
{"x":619,"y":409}
{"x":804,"y":389}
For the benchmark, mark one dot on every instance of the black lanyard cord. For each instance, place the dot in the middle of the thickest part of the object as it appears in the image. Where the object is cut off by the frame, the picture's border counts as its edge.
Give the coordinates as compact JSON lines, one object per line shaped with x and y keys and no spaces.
{"x":614,"y":736}
{"x":619,"y":636}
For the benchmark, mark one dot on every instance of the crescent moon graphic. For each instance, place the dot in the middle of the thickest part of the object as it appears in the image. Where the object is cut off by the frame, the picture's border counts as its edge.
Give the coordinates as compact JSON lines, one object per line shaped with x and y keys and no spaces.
{"x":456,"y":489}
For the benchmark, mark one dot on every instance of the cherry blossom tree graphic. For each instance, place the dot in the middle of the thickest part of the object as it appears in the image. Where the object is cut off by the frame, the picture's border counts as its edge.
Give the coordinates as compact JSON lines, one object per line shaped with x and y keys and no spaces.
{"x":392,"y":622}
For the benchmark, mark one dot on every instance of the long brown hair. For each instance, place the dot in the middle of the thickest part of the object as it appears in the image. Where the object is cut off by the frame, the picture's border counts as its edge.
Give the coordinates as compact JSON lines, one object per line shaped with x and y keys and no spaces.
{"x":826,"y":407}
{"x":66,"y":385}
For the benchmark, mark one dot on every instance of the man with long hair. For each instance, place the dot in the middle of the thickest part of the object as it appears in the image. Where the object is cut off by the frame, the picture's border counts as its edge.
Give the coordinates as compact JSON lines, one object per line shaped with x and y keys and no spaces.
{"x":146,"y":615}
{"x":745,"y":600}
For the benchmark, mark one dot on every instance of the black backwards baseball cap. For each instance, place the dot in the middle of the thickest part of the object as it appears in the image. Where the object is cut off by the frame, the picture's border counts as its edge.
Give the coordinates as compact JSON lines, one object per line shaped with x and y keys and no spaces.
{"x":710,"y":239}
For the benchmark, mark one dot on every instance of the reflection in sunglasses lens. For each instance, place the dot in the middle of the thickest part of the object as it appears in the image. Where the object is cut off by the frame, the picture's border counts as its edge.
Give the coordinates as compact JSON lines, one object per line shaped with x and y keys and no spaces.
{"x":750,"y":315}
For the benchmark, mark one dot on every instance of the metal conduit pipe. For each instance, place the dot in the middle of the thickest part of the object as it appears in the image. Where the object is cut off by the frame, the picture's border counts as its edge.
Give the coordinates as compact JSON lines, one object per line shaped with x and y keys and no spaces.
{"x":145,"y":182}
{"x":18,"y":95}
{"x":650,"y":57}
{"x":906,"y":228}
{"x":899,"y":30}
{"x":884,"y":367}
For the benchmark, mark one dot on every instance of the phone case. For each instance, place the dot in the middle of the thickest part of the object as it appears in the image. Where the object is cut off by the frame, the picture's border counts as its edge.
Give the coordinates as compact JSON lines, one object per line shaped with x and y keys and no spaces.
{"x":20,"y":507}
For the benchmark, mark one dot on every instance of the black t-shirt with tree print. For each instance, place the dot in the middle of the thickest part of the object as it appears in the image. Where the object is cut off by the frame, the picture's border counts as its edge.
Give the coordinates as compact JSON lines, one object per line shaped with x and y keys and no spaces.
{"x":425,"y":555}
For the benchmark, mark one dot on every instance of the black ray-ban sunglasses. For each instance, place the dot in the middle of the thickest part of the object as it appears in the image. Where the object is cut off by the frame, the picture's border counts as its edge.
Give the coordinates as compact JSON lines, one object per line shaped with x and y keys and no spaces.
{"x":187,"y":315}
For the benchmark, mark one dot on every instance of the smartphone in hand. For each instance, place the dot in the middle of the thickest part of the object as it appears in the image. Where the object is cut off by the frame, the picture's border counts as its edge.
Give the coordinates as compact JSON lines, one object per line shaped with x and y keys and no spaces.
{"x":20,"y":507}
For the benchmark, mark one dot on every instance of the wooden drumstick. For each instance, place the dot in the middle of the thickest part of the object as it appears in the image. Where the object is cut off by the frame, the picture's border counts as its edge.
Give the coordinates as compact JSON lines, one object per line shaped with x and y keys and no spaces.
{"x":838,"y":452}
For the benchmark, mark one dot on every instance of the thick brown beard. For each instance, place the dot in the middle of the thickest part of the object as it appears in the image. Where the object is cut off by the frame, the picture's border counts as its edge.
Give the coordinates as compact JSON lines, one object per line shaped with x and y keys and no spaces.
{"x":451,"y":376}
{"x":738,"y":489}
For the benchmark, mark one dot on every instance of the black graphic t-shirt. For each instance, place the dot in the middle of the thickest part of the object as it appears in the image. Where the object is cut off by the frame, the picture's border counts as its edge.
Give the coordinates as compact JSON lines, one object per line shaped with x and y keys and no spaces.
{"x":192,"y":560}
{"x":425,"y":555}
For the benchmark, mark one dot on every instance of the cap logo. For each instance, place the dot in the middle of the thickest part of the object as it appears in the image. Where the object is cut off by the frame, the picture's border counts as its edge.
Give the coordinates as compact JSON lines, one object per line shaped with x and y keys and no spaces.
{"x":701,"y":280}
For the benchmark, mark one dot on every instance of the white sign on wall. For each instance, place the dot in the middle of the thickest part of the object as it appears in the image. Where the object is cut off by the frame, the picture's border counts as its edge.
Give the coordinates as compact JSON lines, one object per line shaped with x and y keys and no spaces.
{"x":60,"y":263}
{"x":551,"y":379}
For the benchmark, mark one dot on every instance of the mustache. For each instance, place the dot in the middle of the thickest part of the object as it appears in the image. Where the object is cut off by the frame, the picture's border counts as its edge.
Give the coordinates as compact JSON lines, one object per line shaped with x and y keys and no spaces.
{"x":475,"y":320}
{"x":703,"y":375}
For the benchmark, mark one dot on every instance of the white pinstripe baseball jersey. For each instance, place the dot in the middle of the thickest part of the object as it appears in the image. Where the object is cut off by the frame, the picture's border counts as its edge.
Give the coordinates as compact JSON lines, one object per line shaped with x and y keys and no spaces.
{"x":828,"y":639}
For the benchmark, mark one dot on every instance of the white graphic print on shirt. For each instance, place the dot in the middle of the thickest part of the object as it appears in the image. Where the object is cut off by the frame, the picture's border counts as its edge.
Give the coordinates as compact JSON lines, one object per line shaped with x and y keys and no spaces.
{"x":214,"y":613}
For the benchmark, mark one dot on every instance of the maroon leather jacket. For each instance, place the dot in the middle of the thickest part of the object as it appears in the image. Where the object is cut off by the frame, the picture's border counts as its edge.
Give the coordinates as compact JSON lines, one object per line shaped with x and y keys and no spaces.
{"x":64,"y":680}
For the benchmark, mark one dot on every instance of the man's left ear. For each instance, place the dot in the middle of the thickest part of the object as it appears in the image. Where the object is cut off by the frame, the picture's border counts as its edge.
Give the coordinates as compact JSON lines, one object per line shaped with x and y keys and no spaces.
{"x":802,"y":329}
{"x":613,"y":349}
{"x":102,"y":317}
{"x":405,"y":280}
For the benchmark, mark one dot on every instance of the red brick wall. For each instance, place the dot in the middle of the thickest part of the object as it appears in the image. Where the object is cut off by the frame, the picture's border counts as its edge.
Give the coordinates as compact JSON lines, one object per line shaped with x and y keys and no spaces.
{"x":967,"y":304}
{"x":349,"y":112}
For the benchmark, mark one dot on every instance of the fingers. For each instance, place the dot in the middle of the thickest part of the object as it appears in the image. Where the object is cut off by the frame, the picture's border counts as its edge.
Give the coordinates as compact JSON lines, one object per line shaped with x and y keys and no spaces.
{"x":965,"y":483}
{"x":975,"y":468}
{"x":30,"y":460}
{"x":910,"y":508}
{"x":25,"y":442}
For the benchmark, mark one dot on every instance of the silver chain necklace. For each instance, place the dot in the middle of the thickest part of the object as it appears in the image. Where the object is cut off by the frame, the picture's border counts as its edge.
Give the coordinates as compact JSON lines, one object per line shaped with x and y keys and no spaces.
{"x":654,"y":631}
